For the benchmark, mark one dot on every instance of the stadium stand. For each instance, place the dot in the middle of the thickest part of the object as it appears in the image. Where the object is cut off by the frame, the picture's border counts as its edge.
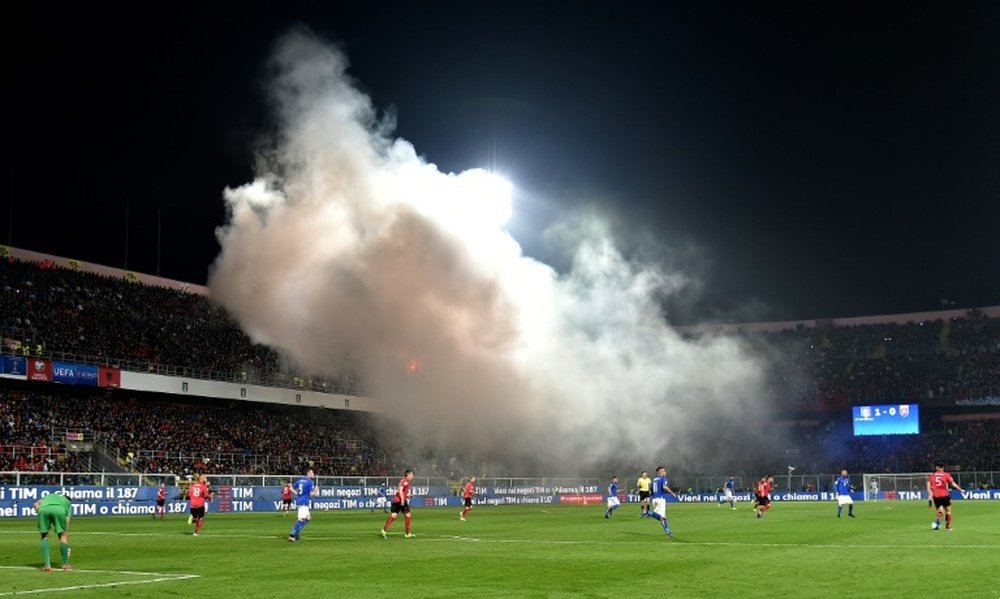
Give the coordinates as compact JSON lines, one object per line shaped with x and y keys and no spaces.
{"x":53,"y":311}
{"x":950,"y":366}
{"x":163,"y":435}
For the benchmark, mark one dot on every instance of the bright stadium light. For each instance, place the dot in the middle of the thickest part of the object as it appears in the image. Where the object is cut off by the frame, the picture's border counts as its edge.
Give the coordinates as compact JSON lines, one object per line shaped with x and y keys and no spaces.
{"x":491,"y":195}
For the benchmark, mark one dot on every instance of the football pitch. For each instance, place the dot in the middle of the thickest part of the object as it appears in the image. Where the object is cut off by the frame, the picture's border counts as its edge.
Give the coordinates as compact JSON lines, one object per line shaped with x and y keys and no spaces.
{"x":798,"y":549}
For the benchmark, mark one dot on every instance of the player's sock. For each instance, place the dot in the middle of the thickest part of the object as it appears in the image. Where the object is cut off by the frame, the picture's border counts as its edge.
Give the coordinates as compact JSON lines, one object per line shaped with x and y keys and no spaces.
{"x":850,"y":510}
{"x":947,"y":520}
{"x":45,"y":552}
{"x":297,"y":527}
{"x":197,"y":525}
{"x":388,"y":523}
{"x":839,"y":510}
{"x":653,"y":515}
{"x":64,"y":553}
{"x":408,"y":521}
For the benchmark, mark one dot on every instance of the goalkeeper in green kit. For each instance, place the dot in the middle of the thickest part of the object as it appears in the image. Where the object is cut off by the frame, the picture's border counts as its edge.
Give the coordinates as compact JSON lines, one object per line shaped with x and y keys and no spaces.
{"x":54,"y":512}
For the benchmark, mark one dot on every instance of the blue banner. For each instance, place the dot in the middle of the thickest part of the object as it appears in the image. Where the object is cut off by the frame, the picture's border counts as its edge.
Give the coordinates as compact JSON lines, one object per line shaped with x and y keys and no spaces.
{"x":14,"y":366}
{"x":18,"y":502}
{"x":74,"y":374}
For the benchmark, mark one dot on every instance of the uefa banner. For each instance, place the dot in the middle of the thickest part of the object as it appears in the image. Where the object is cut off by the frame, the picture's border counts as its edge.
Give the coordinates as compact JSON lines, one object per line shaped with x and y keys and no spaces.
{"x":70,"y":373}
{"x":74,"y":374}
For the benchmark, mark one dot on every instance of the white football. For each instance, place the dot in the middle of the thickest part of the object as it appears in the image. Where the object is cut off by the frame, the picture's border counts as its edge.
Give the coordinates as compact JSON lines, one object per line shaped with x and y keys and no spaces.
{"x":935,"y":526}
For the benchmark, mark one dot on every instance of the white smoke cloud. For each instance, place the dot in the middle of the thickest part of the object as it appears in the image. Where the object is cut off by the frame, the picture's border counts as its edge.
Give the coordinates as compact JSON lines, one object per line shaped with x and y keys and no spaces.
{"x":350,"y":248}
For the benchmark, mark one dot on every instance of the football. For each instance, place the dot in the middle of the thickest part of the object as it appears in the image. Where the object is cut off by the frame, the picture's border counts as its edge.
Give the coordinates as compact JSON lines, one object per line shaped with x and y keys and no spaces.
{"x":935,"y":526}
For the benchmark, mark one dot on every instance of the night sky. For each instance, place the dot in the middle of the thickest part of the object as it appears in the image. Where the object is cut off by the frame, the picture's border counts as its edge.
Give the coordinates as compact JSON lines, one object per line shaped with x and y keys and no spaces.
{"x":806,"y":160}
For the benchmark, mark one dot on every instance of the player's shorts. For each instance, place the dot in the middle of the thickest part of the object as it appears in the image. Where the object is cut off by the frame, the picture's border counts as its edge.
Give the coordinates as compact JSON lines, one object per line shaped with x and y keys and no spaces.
{"x":643,"y":495}
{"x":286,"y":502}
{"x":613,"y":502}
{"x":660,"y":506}
{"x":942,"y":501}
{"x":198,"y":512}
{"x":845,"y":500}
{"x":52,"y":518}
{"x":468,"y":502}
{"x":398,"y":507}
{"x":160,"y":502}
{"x":304,"y":513}
{"x":728,"y":493}
{"x":763,"y":500}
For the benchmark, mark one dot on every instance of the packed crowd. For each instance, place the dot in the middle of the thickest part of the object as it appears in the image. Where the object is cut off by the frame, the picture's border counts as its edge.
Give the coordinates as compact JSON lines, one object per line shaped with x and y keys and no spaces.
{"x":51,"y":309}
{"x":48,"y":310}
{"x":156,"y":436}
{"x":964,"y":445}
{"x":935,"y":362}
{"x":159,"y":437}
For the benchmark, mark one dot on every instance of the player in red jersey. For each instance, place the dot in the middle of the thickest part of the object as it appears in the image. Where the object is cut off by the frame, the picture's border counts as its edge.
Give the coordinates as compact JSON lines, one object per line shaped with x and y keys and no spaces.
{"x":400,"y":504}
{"x":467,"y":492}
{"x":198,"y":494}
{"x":763,"y":493}
{"x":161,"y":500}
{"x":939,"y":489}
{"x":286,"y":498}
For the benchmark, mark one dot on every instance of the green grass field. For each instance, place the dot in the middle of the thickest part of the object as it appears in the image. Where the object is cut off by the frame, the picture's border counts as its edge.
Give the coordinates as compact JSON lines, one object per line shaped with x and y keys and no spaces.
{"x":798,"y":549}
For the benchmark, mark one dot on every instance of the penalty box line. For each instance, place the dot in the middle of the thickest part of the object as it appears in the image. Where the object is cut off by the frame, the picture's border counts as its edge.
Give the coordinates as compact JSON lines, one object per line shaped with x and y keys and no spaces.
{"x":159,"y":577}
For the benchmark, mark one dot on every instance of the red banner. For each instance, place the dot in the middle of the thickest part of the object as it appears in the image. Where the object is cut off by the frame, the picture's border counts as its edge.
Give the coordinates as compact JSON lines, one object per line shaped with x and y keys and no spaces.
{"x":582,"y":498}
{"x":108,"y":377}
{"x":39,"y":370}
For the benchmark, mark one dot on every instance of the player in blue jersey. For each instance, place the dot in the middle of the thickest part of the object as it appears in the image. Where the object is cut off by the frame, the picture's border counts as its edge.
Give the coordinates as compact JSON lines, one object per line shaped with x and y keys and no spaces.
{"x":661,"y":489}
{"x":613,"y":502}
{"x":727,"y":493}
{"x":381,"y":499}
{"x":304,"y":490}
{"x":843,"y":486}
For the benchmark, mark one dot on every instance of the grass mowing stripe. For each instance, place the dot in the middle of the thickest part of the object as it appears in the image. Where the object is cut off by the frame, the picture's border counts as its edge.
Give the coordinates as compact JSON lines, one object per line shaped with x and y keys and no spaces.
{"x":799,"y":549}
{"x":674,"y":541}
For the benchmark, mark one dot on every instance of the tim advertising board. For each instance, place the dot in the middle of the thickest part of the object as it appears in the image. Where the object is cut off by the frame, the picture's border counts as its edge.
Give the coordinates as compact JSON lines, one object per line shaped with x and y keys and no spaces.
{"x":18,"y":502}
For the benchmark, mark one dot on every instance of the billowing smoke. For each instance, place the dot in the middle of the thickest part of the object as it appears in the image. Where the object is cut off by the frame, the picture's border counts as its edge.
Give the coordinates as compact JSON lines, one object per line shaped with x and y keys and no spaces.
{"x":350,"y":250}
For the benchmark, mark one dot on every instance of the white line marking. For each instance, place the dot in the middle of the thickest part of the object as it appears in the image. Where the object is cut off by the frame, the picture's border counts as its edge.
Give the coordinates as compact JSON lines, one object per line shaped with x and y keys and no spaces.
{"x":160,"y":578}
{"x":645,"y":540}
{"x":148,"y":534}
